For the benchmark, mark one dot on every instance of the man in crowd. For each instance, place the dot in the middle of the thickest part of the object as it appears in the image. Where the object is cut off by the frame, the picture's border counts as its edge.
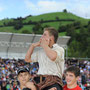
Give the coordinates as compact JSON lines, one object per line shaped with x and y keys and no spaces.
{"x":50,"y":59}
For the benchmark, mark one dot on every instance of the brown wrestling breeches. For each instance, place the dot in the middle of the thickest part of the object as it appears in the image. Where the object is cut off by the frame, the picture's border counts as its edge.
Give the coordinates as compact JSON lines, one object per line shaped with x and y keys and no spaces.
{"x":42,"y":81}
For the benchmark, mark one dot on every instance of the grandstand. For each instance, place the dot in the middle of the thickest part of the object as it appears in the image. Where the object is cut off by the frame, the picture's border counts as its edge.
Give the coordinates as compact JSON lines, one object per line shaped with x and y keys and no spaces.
{"x":14,"y":45}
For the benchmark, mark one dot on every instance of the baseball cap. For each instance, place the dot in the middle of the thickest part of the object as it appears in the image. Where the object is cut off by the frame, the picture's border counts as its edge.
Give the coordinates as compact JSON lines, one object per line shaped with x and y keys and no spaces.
{"x":22,"y":69}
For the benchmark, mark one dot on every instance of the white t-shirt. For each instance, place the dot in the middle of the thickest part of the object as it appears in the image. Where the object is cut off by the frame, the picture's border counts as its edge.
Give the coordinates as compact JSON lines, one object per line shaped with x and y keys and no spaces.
{"x":47,"y":66}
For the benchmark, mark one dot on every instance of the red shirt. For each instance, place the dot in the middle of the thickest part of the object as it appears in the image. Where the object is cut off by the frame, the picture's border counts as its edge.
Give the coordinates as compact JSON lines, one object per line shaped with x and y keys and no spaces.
{"x":76,"y":88}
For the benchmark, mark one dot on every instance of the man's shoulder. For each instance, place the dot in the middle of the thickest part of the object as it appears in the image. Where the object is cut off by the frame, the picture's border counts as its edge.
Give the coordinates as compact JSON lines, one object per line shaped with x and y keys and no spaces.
{"x":56,"y":46}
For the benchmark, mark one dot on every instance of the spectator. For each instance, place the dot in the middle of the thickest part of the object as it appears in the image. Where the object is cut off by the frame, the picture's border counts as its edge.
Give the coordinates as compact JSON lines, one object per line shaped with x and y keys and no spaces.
{"x":72,"y":76}
{"x":3,"y":85}
{"x":23,"y":78}
{"x":83,"y":78}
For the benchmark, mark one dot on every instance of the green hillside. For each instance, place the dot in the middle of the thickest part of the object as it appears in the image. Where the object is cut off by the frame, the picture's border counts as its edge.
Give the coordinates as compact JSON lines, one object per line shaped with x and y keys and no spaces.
{"x":52,"y":16}
{"x":44,"y":17}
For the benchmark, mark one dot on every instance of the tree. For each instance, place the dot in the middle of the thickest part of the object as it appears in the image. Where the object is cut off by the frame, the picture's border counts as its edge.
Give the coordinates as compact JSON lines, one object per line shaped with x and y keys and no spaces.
{"x":18,"y":25}
{"x":62,"y":28}
{"x":88,"y":22}
{"x":65,"y":10}
{"x":26,"y":31}
{"x":37,"y":29}
{"x":77,"y":24}
{"x":57,"y":18}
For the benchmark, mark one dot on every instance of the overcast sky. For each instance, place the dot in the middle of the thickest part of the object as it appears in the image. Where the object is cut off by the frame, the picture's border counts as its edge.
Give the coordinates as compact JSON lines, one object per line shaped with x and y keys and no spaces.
{"x":17,"y":8}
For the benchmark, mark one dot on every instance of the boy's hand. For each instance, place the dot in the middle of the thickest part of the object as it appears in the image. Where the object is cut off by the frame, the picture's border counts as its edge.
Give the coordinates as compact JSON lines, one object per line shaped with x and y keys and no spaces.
{"x":30,"y":85}
{"x":44,"y":42}
{"x":37,"y":44}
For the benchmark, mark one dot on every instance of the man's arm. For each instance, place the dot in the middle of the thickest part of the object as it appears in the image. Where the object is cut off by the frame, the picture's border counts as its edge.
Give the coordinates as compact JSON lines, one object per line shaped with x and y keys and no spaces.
{"x":49,"y":52}
{"x":30,"y":51}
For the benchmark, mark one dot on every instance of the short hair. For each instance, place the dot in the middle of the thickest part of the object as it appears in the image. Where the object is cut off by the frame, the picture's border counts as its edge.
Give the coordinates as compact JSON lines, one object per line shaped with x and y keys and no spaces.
{"x":52,"y":31}
{"x":73,"y":69}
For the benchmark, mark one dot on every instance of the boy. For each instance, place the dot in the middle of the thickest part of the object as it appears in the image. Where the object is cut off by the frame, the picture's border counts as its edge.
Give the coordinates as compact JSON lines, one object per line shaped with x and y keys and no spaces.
{"x":72,"y":76}
{"x":23,"y":78}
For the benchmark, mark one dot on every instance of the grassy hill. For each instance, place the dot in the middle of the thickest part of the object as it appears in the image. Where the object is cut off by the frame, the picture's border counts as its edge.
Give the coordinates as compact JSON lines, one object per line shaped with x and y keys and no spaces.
{"x":43,"y":17}
{"x":52,"y":16}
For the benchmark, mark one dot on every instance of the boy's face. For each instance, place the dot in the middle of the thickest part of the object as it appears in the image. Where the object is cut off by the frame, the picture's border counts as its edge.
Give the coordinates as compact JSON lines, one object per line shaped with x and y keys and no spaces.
{"x":70,"y":78}
{"x":23,"y":77}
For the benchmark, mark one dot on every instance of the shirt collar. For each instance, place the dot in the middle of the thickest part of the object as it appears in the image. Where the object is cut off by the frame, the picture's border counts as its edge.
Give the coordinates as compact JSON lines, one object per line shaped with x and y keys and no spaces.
{"x":54,"y":45}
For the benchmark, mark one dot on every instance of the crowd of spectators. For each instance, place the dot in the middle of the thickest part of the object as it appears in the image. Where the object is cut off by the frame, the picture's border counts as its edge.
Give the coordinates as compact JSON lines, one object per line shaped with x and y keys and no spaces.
{"x":9,"y":67}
